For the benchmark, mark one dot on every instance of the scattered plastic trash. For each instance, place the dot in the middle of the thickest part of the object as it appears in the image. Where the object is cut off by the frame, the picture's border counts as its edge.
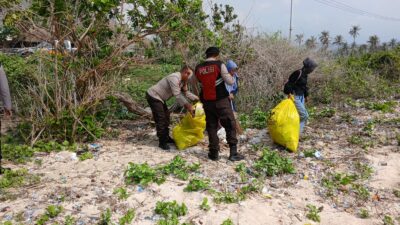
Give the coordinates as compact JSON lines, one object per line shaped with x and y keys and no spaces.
{"x":140,"y":189}
{"x":383,"y":163}
{"x":318,"y":154}
{"x":74,"y":157}
{"x":94,"y":147}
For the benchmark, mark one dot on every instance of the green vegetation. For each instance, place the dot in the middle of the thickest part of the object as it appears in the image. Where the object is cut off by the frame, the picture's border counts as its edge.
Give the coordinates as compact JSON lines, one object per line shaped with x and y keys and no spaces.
{"x":313,"y":213}
{"x":52,"y":211}
{"x":363,"y":213}
{"x":242,"y":170}
{"x":17,"y":178}
{"x":69,"y":220}
{"x":271,"y":163}
{"x":144,"y":174}
{"x":228,"y":197}
{"x":121,"y":192}
{"x":127,"y":218}
{"x":381,"y":106}
{"x":227,"y":222}
{"x":365,"y":171}
{"x":197,"y":184}
{"x":204,"y":205}
{"x":396,"y":193}
{"x":171,"y":211}
{"x":86,"y":155}
{"x":388,"y":220}
{"x":257,"y":119}
{"x":105,"y":218}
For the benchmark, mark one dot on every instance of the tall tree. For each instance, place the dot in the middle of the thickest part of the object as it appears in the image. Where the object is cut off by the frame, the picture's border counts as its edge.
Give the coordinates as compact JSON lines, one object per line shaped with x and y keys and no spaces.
{"x":344,"y":50}
{"x":299,"y":39}
{"x":392,"y":43}
{"x":384,"y":46}
{"x":338,"y":40}
{"x":311,"y":43}
{"x":324,"y":39}
{"x":362,"y":48}
{"x":373,"y":42}
{"x":354,"y":32}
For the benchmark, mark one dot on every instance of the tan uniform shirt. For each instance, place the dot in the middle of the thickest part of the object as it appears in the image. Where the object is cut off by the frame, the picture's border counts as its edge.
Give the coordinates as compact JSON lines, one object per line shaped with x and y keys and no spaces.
{"x":170,"y":86}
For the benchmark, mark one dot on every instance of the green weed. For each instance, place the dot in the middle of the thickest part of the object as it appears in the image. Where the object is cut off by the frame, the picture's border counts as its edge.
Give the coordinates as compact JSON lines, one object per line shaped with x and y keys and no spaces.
{"x":127,"y":218}
{"x":228,"y":197}
{"x":171,"y":211}
{"x":388,"y":220}
{"x":364,"y":170}
{"x":105,"y":218}
{"x":271,"y":163}
{"x":242,"y":170}
{"x":313,"y":213}
{"x":227,"y":222}
{"x":396,"y":193}
{"x":121,"y":192}
{"x":204,"y":205}
{"x":361,"y":191}
{"x":197,"y":184}
{"x":69,"y":220}
{"x":53,"y":211}
{"x":42,"y":219}
{"x":369,"y":128}
{"x":363,"y":213}
{"x":381,"y":106}
{"x":85,"y":156}
{"x":142,"y":174}
{"x":326,"y":113}
{"x":17,"y":178}
{"x":332,"y":182}
{"x":254,"y":186}
{"x":179,"y":168}
{"x":309,"y":153}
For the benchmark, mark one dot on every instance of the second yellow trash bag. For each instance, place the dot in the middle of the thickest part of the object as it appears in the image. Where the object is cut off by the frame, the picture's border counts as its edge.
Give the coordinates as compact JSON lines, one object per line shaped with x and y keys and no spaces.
{"x":284,"y":124}
{"x":190,"y":130}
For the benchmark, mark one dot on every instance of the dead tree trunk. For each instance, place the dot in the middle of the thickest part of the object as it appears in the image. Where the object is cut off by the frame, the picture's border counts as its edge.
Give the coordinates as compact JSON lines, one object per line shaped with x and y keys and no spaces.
{"x":131,"y":105}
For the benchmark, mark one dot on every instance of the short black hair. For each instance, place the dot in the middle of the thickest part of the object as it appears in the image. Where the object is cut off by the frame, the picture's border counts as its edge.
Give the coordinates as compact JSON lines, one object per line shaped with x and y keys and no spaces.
{"x":212,"y":52}
{"x":186,"y":67}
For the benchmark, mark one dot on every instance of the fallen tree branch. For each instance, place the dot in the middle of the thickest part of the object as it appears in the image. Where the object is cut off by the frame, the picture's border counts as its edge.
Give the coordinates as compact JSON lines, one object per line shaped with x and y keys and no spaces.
{"x":131,"y":105}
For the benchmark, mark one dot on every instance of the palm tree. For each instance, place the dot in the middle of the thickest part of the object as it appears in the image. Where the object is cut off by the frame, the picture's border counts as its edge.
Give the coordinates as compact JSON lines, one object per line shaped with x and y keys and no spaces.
{"x":299,"y":38}
{"x":373,"y":42}
{"x":345,"y":49}
{"x":311,"y":43}
{"x":354,"y":32}
{"x":393,"y":43}
{"x":338,"y":40}
{"x":362,"y":48}
{"x":324,"y":39}
{"x":384,"y":46}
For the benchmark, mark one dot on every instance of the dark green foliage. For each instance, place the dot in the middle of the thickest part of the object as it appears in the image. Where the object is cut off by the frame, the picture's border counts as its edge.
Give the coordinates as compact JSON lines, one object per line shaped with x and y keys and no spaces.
{"x":86,"y":155}
{"x":17,"y":178}
{"x":363,"y":213}
{"x":228,"y":197}
{"x":388,"y":220}
{"x":142,"y":174}
{"x":197,"y":184}
{"x":53,"y":211}
{"x":257,"y":119}
{"x":69,"y":220}
{"x":271,"y":163}
{"x":179,"y":168}
{"x":121,"y":192}
{"x":387,"y":106}
{"x":171,"y":211}
{"x":105,"y":218}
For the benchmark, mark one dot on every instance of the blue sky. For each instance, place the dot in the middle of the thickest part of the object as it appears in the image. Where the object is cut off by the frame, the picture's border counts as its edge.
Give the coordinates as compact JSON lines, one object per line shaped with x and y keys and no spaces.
{"x":311,"y":17}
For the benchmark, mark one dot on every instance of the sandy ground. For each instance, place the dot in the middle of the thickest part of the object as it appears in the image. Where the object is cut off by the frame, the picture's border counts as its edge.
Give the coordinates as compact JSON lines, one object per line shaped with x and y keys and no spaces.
{"x":85,"y":188}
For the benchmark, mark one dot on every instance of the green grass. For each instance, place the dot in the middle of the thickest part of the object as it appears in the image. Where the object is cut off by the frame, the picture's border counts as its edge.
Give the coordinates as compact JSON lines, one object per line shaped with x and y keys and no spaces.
{"x":228,"y":197}
{"x":127,"y":218}
{"x":363,"y":213}
{"x":17,"y":178}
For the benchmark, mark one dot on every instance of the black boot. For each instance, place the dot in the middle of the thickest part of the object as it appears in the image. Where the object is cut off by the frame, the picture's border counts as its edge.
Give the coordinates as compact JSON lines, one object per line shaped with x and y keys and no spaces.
{"x":234,"y":155}
{"x":213,"y":155}
{"x":164,"y":146}
{"x":170,"y":140}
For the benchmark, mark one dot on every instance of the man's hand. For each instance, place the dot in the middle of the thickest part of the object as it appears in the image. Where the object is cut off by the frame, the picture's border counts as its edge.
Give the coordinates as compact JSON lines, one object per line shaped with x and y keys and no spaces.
{"x":189,"y":108}
{"x":7,"y":113}
{"x":231,"y":96}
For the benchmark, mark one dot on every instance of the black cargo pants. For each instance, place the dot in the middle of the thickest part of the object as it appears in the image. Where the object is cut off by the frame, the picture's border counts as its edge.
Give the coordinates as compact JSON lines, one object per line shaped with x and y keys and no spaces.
{"x":220,"y":110}
{"x":161,"y":117}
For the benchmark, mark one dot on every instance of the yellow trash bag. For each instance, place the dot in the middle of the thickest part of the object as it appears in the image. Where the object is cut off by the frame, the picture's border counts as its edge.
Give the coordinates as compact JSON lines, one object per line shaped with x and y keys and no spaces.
{"x":190,"y":130}
{"x":284,"y":124}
